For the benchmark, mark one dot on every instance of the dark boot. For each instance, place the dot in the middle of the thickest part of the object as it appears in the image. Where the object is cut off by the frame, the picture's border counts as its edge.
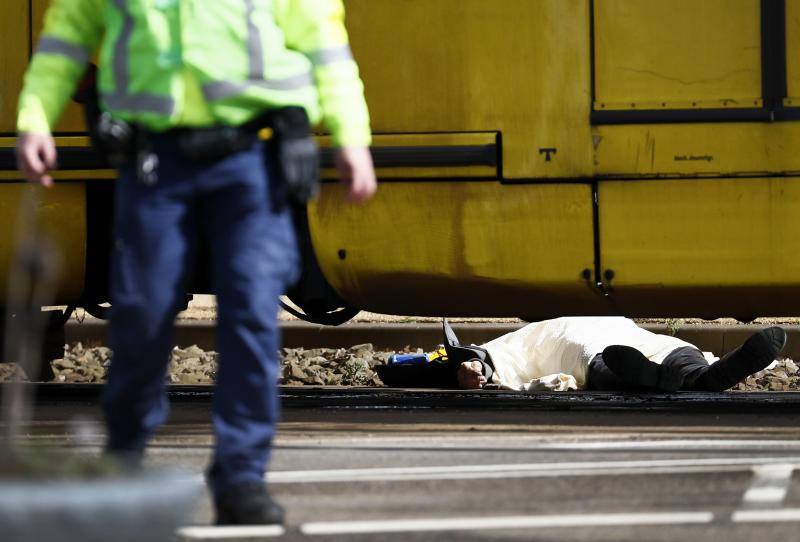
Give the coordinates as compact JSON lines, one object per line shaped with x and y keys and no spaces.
{"x":755,"y":354}
{"x":248,"y":504}
{"x":633,"y":368}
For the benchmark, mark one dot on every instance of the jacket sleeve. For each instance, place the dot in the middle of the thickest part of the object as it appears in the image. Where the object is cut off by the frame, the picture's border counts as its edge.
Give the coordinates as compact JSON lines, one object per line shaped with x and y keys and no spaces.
{"x":316,"y":28}
{"x":72,"y":31}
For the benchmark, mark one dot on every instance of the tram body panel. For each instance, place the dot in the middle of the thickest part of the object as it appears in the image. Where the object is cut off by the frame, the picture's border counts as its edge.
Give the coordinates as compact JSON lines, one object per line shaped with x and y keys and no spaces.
{"x":698,"y":150}
{"x":695,"y":71}
{"x":706,"y":247}
{"x":676,"y":54}
{"x":13,"y":60}
{"x":519,"y":67}
{"x":461,"y":248}
{"x":61,"y":215}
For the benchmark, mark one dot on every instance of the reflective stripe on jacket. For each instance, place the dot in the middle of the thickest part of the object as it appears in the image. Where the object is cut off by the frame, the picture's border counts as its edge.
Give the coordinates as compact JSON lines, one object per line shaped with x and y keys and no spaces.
{"x":167,"y":63}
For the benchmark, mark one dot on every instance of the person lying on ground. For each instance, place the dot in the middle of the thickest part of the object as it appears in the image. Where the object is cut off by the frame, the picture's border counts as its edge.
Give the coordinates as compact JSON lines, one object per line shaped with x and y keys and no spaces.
{"x":605,"y":354}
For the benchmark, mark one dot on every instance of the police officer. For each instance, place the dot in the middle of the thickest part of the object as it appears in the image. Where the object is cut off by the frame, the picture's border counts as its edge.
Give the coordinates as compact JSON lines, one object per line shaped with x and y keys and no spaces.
{"x":169,"y":69}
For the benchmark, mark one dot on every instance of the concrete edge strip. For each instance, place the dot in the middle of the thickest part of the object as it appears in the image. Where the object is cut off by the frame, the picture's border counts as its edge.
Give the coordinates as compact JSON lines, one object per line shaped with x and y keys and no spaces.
{"x":523,"y":470}
{"x":507,"y":522}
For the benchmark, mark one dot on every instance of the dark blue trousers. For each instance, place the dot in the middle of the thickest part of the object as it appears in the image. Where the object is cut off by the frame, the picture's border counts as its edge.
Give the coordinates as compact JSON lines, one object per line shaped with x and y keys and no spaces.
{"x":236,"y":209}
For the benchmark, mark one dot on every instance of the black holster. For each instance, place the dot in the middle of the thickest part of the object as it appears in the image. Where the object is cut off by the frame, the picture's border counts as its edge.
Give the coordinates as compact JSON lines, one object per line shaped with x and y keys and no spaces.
{"x":294,"y":153}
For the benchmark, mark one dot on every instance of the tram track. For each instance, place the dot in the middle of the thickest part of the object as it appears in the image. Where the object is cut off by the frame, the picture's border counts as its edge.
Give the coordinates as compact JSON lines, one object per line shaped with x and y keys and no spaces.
{"x":344,"y":398}
{"x":394,"y":336}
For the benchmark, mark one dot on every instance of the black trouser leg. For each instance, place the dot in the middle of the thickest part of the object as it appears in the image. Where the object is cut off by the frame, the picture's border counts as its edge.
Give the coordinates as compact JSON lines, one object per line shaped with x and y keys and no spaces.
{"x":689,"y":363}
{"x":601,"y":378}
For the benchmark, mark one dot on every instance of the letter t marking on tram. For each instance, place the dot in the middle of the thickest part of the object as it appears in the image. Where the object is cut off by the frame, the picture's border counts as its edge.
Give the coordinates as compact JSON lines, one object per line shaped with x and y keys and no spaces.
{"x":548,"y":153}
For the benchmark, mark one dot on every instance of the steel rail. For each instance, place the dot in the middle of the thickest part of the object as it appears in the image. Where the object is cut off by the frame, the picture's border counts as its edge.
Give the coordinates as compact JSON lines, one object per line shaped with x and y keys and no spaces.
{"x":343,"y":398}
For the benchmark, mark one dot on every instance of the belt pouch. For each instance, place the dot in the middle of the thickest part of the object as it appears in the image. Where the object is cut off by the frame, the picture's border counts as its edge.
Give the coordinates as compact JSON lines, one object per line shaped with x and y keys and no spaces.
{"x":205,"y":145}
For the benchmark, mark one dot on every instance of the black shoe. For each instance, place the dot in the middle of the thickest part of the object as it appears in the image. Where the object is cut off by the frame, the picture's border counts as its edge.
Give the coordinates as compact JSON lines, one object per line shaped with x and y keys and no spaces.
{"x":248,"y":504}
{"x":757,"y":352}
{"x":633,"y":368}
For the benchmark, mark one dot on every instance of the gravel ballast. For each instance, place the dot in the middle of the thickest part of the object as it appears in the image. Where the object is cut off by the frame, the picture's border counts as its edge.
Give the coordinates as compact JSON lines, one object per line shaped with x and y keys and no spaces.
{"x":318,"y":367}
{"x":354,"y":366}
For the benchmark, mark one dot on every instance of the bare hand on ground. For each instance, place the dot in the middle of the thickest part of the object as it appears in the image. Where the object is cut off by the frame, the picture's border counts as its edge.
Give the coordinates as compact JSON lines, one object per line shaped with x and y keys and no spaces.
{"x":36,"y":155}
{"x":357,"y":172}
{"x":470,"y":375}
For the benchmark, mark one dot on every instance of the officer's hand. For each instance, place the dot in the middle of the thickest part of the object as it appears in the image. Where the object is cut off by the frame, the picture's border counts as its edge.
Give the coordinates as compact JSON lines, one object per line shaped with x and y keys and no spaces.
{"x":470,"y":375}
{"x":36,"y":155}
{"x":356,"y":170}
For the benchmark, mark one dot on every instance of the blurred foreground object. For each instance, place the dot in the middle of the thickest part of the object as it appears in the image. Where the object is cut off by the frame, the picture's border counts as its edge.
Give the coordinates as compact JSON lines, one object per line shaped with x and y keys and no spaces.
{"x":48,"y":495}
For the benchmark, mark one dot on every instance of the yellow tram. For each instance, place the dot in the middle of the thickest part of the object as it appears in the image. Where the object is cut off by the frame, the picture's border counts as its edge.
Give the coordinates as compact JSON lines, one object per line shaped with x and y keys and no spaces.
{"x":537,"y":158}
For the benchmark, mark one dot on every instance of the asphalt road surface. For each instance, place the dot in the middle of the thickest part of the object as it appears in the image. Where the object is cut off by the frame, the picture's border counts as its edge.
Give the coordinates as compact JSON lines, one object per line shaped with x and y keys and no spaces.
{"x":427,"y":474}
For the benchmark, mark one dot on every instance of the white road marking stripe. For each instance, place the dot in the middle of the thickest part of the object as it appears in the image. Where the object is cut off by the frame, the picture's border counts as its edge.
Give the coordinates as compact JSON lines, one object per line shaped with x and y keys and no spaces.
{"x":765,"y":495}
{"x":766,"y":516}
{"x":769,"y":486}
{"x":683,"y":444}
{"x":509,"y":522}
{"x":536,"y":443}
{"x":523,"y":470}
{"x":229,"y":532}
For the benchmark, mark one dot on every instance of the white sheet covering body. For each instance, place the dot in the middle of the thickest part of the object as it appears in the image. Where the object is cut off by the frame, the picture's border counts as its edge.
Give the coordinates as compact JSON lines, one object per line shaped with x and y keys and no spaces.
{"x":555,"y":354}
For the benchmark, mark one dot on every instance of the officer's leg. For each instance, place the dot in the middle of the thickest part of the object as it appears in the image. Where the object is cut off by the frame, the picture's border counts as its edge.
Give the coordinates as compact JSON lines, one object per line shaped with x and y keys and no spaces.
{"x":152,"y":231}
{"x":253,"y":257}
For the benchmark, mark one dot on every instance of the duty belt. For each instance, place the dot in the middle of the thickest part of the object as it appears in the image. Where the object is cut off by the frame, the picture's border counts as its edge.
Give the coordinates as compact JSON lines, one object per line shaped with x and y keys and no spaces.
{"x":290,"y":149}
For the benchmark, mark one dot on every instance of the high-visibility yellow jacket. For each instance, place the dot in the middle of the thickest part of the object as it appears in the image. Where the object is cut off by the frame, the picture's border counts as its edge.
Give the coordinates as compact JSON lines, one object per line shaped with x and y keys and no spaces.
{"x":168,"y":63}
